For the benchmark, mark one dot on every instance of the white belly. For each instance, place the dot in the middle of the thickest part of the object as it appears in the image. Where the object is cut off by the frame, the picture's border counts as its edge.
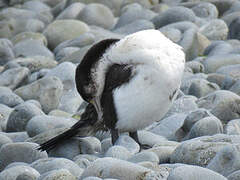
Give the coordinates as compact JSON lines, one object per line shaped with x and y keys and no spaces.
{"x":145,"y":99}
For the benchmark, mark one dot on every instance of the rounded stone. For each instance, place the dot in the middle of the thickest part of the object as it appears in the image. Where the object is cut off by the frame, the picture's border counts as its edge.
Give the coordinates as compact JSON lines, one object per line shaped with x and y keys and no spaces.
{"x":233,"y":127}
{"x":57,"y":33}
{"x":118,"y":152}
{"x":20,"y":152}
{"x":49,"y":164}
{"x":4,"y":140}
{"x":42,"y":123}
{"x":82,"y":162}
{"x":226,"y":160}
{"x":194,"y":173}
{"x":17,"y":136}
{"x":234,"y":176}
{"x":9,"y":98}
{"x":215,"y":29}
{"x":234,"y":29}
{"x":128,"y":143}
{"x":6,"y":52}
{"x":18,"y":172}
{"x":230,"y":70}
{"x":206,"y":127}
{"x":13,"y":78}
{"x":236,"y":87}
{"x":72,"y":11}
{"x":36,"y":6}
{"x":144,"y":156}
{"x":47,"y":91}
{"x":57,"y":174}
{"x":205,"y":10}
{"x":98,"y":15}
{"x":20,"y":116}
{"x":172,"y":15}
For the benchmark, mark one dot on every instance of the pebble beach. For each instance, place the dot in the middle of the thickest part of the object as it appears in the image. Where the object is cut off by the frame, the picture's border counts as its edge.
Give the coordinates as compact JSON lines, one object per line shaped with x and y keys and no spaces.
{"x":43,"y":41}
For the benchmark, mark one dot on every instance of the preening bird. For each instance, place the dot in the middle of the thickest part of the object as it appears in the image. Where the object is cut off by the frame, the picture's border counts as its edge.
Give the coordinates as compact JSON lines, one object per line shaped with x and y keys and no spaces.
{"x":129,"y":83}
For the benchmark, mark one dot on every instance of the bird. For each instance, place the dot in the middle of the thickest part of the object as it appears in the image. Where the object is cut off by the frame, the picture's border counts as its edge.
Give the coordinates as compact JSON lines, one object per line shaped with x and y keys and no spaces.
{"x":129,"y":84}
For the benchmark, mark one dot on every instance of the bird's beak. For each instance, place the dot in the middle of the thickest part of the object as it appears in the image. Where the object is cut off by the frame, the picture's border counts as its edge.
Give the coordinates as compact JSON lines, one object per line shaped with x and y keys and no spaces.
{"x":97,"y":105}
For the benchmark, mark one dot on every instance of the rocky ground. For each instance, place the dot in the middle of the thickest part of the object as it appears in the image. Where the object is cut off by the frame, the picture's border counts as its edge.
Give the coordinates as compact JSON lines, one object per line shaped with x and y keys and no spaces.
{"x":43,"y":41}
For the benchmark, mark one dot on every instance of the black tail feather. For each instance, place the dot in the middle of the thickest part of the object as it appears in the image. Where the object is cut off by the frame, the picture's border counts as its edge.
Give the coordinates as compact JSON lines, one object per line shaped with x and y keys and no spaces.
{"x":84,"y":127}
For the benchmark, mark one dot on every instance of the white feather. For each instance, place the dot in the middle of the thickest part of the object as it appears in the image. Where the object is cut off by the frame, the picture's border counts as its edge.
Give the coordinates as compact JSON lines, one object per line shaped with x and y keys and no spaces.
{"x":158,"y":66}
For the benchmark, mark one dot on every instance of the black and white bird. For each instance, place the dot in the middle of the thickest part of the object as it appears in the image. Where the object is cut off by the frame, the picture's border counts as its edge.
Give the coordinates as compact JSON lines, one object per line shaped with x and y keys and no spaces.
{"x":129,"y":84}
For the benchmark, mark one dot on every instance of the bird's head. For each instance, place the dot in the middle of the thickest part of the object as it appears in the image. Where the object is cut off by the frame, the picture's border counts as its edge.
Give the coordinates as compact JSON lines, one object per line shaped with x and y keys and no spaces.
{"x":87,"y":79}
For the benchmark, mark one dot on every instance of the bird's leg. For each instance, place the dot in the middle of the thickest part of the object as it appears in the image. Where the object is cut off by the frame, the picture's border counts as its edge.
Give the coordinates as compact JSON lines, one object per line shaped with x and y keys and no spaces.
{"x":134,"y":135}
{"x":114,"y":135}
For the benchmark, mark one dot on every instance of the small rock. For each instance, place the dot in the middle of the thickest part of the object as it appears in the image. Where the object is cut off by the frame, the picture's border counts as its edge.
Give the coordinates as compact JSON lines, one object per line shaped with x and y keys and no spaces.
{"x":98,"y":15}
{"x":174,"y":14}
{"x":19,"y":171}
{"x":47,"y":91}
{"x":89,"y":157}
{"x":234,"y":29}
{"x":134,"y":26}
{"x":17,"y":136}
{"x":57,"y":33}
{"x":200,"y":151}
{"x":118,"y":152}
{"x":169,"y":126}
{"x":226,"y":160}
{"x":196,"y":66}
{"x":127,"y":142}
{"x":236,"y":87}
{"x":8,"y":98}
{"x":144,"y":156}
{"x":163,"y":150}
{"x":188,"y":172}
{"x":115,"y":168}
{"x":13,"y":78}
{"x":212,"y":63}
{"x":193,"y":117}
{"x":205,"y":10}
{"x":57,"y":174}
{"x":42,"y":123}
{"x":49,"y":164}
{"x":234,"y":176}
{"x":20,"y":116}
{"x":215,"y":29}
{"x":5,"y":111}
{"x":64,"y":52}
{"x":206,"y":126}
{"x":230,"y":70}
{"x":29,"y":35}
{"x":218,"y":48}
{"x":20,"y":152}
{"x":36,"y":6}
{"x":222,"y":80}
{"x":222,"y":104}
{"x":201,"y":87}
{"x":36,"y":63}
{"x":29,"y":47}
{"x":72,"y":11}
{"x":6,"y":52}
{"x":90,"y":145}
{"x":82,"y":162}
{"x":233,"y":127}
{"x":4,"y":140}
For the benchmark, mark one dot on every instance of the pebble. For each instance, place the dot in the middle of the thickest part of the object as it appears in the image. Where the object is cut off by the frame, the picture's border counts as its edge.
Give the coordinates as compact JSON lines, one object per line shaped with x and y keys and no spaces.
{"x":20,"y":152}
{"x":222,"y":104}
{"x":205,"y":10}
{"x":47,"y":91}
{"x":14,"y":77}
{"x":226,"y":160}
{"x":230,"y":70}
{"x":120,"y":169}
{"x":144,"y":156}
{"x":128,"y":143}
{"x":57,"y":33}
{"x":188,"y":172}
{"x":17,"y":172}
{"x":29,"y":35}
{"x":202,"y":87}
{"x":6,"y":51}
{"x":150,"y":139}
{"x":82,"y":162}
{"x":200,"y":151}
{"x":36,"y":6}
{"x":65,"y":52}
{"x":48,"y":164}
{"x":29,"y":47}
{"x":233,"y":127}
{"x":4,"y":140}
{"x":206,"y":126}
{"x":57,"y":174}
{"x":20,"y":116}
{"x":222,"y":80}
{"x":133,"y":12}
{"x":72,"y":11}
{"x":98,"y":15}
{"x":172,"y":15}
{"x":118,"y":152}
{"x":42,"y":123}
{"x":8,"y":98}
{"x":218,"y":48}
{"x":17,"y":136}
{"x":36,"y":63}
{"x":236,"y":87}
{"x":234,"y":176}
{"x":234,"y":29}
